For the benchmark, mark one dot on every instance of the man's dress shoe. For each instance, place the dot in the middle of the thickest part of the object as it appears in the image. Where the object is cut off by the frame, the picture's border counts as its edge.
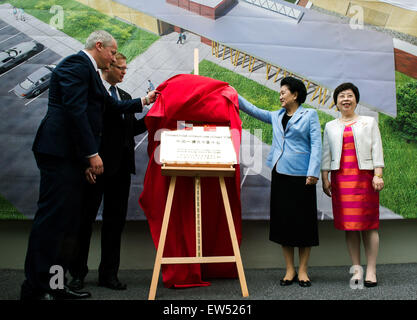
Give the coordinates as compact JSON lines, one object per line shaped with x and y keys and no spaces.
{"x":29,"y":294}
{"x":35,"y":297}
{"x":46,"y":296}
{"x":67,"y":293}
{"x":112,"y":283}
{"x":76,"y":283}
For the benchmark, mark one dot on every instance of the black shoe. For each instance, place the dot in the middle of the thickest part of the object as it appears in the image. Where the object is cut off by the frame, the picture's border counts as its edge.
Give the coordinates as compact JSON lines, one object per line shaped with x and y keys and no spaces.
{"x":67,"y":293}
{"x":27,"y":293}
{"x":304,"y":283}
{"x":46,"y":296}
{"x":76,"y":283}
{"x":370,"y":284}
{"x":112,"y":283}
{"x":283,"y":282}
{"x":40,"y":296}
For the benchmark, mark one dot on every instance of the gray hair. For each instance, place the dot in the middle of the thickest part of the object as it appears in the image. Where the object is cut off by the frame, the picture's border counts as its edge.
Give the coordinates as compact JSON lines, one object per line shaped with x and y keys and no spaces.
{"x":98,"y":36}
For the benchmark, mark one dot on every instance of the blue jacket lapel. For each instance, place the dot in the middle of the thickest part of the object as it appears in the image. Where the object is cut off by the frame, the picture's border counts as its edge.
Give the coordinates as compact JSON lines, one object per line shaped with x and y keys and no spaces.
{"x":280,"y":116}
{"x":297,"y":115}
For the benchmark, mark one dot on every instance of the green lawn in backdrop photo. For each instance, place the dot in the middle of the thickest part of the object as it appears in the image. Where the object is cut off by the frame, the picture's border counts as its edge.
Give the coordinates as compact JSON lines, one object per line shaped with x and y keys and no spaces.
{"x":80,"y":21}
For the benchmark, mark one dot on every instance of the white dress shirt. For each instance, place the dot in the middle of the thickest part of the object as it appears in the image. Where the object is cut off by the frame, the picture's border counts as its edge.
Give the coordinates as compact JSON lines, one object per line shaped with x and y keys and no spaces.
{"x":91,"y":59}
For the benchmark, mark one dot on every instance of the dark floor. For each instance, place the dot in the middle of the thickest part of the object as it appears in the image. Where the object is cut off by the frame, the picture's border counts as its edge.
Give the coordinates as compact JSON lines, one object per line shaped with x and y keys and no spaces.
{"x":395,"y":282}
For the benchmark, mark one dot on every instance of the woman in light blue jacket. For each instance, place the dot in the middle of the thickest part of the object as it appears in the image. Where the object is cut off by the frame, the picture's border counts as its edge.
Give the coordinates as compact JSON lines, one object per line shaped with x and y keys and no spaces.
{"x":294,"y":158}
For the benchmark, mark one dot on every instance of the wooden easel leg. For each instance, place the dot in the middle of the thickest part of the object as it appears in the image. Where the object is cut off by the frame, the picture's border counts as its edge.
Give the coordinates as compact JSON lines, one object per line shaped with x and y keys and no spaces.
{"x":162,"y":237}
{"x":233,"y":237}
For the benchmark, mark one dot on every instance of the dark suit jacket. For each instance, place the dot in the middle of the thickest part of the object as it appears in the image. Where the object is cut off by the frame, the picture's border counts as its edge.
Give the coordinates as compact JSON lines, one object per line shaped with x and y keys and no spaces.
{"x":73,"y":125}
{"x":118,"y":145}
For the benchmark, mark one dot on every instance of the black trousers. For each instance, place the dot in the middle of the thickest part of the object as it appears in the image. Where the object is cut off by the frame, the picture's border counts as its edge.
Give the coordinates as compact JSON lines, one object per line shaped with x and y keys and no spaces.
{"x":56,"y":220}
{"x":114,"y":191}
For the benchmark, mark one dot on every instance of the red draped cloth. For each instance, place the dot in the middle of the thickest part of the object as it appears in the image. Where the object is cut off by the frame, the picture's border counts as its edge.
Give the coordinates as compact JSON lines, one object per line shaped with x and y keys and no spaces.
{"x":196,"y":99}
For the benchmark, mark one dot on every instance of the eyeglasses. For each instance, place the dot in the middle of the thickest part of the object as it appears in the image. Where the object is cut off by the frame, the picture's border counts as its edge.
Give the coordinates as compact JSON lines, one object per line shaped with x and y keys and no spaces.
{"x":120,"y":68}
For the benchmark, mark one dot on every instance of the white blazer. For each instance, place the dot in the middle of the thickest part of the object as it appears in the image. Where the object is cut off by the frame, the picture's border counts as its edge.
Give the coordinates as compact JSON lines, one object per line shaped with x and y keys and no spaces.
{"x":367,"y":139}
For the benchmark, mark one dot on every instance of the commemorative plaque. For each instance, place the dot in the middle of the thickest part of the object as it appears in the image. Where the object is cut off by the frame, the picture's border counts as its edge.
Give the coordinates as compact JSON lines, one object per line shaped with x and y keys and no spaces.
{"x":198,"y":145}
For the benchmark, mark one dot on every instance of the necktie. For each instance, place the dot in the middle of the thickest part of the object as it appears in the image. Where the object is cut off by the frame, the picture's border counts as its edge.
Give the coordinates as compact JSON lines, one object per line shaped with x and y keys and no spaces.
{"x":113,"y":92}
{"x":114,"y":95}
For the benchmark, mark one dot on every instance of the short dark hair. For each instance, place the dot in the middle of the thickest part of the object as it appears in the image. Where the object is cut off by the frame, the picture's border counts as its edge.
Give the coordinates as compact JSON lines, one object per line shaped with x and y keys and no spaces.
{"x":295,"y":85}
{"x":343,"y":87}
{"x":119,"y":56}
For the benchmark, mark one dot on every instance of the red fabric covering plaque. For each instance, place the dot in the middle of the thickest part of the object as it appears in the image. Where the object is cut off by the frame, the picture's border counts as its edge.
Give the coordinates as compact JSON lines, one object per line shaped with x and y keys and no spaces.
{"x":203,"y":100}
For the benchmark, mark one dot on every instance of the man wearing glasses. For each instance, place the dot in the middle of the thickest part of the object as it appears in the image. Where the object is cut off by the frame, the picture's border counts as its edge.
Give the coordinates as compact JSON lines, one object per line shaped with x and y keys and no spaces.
{"x":117,"y":152}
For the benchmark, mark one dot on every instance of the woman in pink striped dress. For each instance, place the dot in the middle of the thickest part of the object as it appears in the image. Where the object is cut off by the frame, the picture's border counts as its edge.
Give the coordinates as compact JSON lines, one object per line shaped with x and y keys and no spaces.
{"x":352,"y":152}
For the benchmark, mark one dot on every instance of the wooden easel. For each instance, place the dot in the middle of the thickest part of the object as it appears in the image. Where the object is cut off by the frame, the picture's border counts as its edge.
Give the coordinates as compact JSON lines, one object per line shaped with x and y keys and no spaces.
{"x":197,"y":173}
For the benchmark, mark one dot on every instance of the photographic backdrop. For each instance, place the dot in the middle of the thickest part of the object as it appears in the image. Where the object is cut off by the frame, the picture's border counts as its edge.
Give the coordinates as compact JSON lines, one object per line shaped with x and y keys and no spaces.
{"x":249,"y":44}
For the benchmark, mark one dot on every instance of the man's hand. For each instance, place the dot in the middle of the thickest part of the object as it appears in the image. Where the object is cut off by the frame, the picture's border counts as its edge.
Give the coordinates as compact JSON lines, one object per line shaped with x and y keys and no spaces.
{"x":96,"y":165}
{"x":90,"y":176}
{"x":152,"y":95}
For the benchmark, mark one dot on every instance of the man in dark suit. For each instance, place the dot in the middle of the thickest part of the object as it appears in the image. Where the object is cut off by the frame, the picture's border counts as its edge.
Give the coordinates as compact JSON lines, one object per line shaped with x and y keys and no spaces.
{"x":117,"y":151}
{"x":66,"y":142}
